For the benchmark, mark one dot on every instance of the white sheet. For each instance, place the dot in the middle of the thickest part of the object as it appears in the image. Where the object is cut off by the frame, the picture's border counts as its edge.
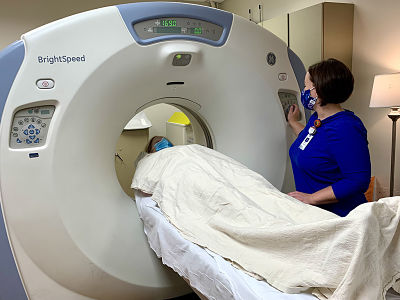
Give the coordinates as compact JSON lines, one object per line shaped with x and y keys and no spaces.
{"x":206,"y":271}
{"x":221,"y":205}
{"x":209,"y":273}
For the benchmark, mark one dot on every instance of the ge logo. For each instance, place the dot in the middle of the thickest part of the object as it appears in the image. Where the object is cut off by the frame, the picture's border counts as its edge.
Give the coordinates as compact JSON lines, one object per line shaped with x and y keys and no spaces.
{"x":45,"y":83}
{"x":271,"y":58}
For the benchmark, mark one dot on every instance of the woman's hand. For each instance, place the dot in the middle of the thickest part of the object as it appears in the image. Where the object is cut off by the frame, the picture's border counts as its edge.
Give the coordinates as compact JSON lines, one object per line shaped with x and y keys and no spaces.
{"x":303,"y":197}
{"x":293,"y":117}
{"x":293,"y":114}
{"x":324,"y":196}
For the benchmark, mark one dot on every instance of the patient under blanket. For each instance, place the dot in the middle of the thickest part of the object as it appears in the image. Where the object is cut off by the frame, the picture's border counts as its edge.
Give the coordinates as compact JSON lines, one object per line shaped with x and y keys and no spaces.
{"x":221,"y":205}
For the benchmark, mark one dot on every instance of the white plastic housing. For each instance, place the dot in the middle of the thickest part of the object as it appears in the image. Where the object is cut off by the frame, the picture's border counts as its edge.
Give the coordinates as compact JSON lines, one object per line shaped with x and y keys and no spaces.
{"x":74,"y":232}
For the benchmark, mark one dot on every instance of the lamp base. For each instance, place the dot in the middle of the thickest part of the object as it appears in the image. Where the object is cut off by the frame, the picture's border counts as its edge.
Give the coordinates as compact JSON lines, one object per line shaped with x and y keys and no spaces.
{"x":394,"y":115}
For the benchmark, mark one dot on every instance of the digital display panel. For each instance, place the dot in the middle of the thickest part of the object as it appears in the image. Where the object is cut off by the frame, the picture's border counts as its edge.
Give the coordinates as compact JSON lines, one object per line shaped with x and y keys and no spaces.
{"x":178,"y":30}
{"x":196,"y":30}
{"x":161,"y":27}
{"x":168,"y":23}
{"x":167,"y":30}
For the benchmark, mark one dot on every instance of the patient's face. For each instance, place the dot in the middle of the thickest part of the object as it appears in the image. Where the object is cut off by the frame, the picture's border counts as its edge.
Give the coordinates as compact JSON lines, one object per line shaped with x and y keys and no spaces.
{"x":153,"y":141}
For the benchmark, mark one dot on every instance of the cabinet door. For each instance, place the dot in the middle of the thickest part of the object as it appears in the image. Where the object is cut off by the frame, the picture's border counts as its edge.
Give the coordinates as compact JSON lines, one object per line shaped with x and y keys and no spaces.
{"x":305,"y":34}
{"x":278,"y":26}
{"x":338,"y":32}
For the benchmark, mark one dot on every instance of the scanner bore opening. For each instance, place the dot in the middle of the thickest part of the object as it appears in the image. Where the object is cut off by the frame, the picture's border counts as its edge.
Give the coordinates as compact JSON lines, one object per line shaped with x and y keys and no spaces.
{"x":133,"y":141}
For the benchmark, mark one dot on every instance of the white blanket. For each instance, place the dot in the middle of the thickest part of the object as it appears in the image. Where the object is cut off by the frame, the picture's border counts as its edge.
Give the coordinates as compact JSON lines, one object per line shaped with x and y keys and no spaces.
{"x":208,"y":273}
{"x":221,"y":205}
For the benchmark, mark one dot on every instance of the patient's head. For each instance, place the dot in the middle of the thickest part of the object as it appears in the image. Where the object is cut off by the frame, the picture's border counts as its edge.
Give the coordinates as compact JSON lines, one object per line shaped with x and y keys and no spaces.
{"x":158,"y":143}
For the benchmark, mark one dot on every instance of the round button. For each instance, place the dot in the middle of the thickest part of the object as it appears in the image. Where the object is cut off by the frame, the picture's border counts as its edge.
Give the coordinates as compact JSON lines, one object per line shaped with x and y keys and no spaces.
{"x":45,"y":83}
{"x":33,"y":119}
{"x":15,"y":128}
{"x":317,"y":123}
{"x":15,"y":134}
{"x":31,"y":131}
{"x":38,"y":121}
{"x":282,"y":76}
{"x":43,"y":125}
{"x":26,"y":119}
{"x":20,"y":122}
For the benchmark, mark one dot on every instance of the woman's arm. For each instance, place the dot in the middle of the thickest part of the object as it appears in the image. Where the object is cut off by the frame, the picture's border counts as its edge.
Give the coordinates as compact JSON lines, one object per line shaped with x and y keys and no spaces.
{"x":293,"y":116}
{"x":349,"y":146}
{"x":324,"y":196}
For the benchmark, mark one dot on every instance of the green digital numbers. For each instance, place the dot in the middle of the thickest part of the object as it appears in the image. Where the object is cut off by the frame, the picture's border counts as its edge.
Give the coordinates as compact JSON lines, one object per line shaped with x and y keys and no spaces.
{"x":168,"y":23}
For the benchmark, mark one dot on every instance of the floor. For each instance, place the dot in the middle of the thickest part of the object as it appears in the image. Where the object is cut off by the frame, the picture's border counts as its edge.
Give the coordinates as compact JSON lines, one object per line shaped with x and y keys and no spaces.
{"x":191,"y":296}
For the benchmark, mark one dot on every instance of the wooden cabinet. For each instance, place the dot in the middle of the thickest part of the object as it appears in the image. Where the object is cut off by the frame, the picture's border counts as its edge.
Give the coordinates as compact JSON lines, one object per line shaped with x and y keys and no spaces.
{"x":322,"y":31}
{"x":317,"y":32}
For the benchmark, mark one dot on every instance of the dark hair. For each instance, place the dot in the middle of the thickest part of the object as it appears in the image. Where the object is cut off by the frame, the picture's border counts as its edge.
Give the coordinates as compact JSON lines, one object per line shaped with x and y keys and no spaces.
{"x":333,"y":81}
{"x":154,"y":140}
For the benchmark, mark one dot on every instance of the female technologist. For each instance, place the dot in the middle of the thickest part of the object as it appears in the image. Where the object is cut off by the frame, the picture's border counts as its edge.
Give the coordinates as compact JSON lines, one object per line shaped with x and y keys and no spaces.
{"x":330,"y":157}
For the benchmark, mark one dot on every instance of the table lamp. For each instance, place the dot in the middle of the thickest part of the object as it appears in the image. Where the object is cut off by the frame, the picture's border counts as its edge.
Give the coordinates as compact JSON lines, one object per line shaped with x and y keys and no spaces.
{"x":386,"y":93}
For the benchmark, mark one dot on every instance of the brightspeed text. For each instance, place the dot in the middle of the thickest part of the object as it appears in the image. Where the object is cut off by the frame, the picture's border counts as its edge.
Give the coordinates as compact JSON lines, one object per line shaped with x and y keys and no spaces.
{"x":61,"y":59}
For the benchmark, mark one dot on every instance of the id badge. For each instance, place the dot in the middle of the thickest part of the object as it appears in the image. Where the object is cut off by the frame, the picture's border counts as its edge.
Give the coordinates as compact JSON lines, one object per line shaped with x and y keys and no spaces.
{"x":306,"y":141}
{"x":308,"y":138}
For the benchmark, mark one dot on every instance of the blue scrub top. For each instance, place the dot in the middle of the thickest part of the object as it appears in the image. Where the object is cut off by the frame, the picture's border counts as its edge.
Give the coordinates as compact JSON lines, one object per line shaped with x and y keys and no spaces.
{"x":336,"y":156}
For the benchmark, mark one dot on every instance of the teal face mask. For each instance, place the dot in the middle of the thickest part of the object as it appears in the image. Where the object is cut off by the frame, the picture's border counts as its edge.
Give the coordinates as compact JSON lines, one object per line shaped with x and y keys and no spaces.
{"x":164,"y":143}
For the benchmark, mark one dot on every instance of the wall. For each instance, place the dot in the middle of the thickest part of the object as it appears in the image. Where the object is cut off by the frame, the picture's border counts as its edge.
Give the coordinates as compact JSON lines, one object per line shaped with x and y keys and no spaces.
{"x":270,"y":8}
{"x":18,"y":17}
{"x":376,"y":48}
{"x":158,"y":115}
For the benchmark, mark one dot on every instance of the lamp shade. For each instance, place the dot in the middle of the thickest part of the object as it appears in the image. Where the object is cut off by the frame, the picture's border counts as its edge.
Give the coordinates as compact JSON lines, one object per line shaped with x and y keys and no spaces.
{"x":386,"y":91}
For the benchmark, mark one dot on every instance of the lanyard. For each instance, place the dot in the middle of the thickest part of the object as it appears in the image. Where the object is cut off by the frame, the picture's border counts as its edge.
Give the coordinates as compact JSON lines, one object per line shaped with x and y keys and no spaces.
{"x":308,"y":138}
{"x":311,"y":132}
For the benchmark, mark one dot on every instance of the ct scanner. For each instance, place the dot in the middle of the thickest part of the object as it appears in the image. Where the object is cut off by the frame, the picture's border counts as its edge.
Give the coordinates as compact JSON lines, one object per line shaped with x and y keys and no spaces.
{"x":66,"y":91}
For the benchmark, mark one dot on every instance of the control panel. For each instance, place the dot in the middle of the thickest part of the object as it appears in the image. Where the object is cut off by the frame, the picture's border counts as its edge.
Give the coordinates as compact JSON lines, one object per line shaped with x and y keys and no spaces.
{"x":287,"y":99}
{"x":30,"y":126}
{"x":178,"y":26}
